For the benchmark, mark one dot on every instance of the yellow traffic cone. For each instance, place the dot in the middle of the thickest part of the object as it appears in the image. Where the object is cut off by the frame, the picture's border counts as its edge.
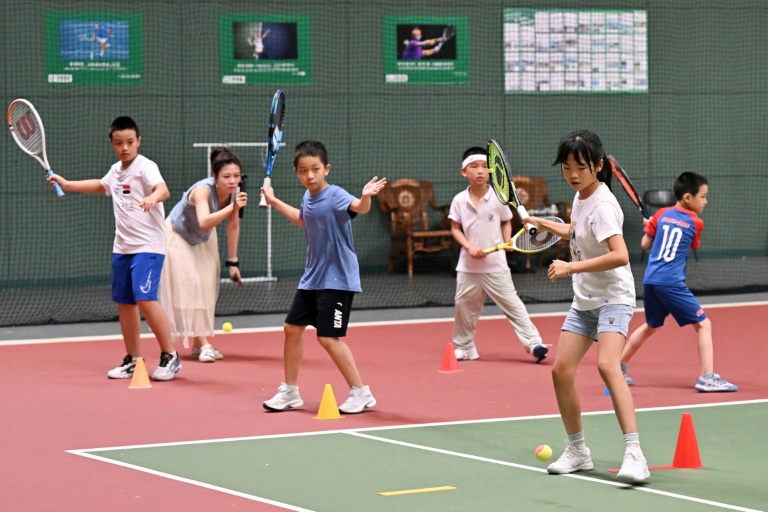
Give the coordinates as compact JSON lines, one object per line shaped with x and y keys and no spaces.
{"x":329,"y":409}
{"x":140,"y":379}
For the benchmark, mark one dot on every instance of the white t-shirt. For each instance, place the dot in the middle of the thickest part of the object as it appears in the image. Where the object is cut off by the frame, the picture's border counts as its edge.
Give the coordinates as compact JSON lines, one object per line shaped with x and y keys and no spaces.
{"x":593,"y":221}
{"x":135,"y":230}
{"x":482,"y":227}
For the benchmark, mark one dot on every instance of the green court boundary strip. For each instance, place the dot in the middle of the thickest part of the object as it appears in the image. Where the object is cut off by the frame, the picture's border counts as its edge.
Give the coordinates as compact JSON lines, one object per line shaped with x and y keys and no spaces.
{"x":89,"y":453}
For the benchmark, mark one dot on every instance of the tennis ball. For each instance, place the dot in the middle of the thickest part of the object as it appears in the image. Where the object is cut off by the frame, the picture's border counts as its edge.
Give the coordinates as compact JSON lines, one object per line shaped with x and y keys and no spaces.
{"x":226,"y":327}
{"x":543,"y":452}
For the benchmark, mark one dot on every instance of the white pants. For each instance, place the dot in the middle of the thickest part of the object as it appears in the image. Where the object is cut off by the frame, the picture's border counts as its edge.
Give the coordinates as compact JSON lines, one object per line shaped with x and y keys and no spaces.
{"x":471,"y":290}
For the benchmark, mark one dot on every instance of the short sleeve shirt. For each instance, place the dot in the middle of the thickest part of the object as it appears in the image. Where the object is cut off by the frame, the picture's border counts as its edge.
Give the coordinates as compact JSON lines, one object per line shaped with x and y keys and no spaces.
{"x":136,"y":231}
{"x":675,"y":232}
{"x":331,"y":258}
{"x":593,"y":221}
{"x":482,"y":227}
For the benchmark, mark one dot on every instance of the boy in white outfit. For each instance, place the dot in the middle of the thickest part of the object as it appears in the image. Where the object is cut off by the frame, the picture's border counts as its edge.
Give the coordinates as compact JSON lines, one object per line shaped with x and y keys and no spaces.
{"x":478,"y":221}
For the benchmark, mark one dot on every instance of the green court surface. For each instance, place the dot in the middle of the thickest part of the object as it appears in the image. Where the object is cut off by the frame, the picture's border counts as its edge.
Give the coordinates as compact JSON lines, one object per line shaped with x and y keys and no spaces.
{"x":490,"y":463}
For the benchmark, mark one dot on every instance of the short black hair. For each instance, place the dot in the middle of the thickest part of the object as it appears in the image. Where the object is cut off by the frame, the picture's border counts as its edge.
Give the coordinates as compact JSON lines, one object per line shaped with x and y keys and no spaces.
{"x":310,"y":148}
{"x":124,"y":123}
{"x":688,"y":183}
{"x":474,"y":150}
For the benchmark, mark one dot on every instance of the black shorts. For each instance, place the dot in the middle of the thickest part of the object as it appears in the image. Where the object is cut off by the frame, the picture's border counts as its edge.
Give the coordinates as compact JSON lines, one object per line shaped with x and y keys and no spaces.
{"x":327,"y":310}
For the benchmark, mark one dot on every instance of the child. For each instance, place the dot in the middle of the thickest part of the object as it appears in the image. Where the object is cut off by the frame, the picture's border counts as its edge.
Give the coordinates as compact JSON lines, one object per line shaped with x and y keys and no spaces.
{"x":664,"y":289}
{"x":189,"y":285}
{"x":331,"y":277}
{"x":603,"y":302}
{"x":137,"y":191}
{"x":479,"y":221}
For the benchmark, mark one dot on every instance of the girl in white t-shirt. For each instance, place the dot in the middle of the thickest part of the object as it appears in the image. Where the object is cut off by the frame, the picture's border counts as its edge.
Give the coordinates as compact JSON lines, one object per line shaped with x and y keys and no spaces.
{"x":603,"y":302}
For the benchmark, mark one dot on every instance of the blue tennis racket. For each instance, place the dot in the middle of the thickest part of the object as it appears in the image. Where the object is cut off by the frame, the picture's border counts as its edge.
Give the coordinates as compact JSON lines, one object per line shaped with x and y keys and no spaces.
{"x":276,"y":118}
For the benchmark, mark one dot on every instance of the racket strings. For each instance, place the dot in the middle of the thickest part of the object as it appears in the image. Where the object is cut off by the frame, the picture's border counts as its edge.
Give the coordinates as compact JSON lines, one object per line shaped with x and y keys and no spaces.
{"x":498,"y":175}
{"x":27,"y":128}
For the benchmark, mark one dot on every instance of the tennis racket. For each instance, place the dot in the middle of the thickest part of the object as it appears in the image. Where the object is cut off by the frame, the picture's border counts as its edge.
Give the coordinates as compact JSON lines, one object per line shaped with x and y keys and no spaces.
{"x":501,"y":181}
{"x":276,"y":118}
{"x":524,"y":242}
{"x":27,"y":130}
{"x":621,"y":175}
{"x":449,"y":32}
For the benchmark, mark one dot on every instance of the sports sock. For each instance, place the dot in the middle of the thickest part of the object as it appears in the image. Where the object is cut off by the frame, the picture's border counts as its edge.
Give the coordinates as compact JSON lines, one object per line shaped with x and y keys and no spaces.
{"x":632,"y":440}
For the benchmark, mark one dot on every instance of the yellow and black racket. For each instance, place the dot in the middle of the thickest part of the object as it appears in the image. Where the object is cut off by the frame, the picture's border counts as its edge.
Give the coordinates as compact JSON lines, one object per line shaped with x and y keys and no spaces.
{"x":501,"y":181}
{"x":526,"y":243}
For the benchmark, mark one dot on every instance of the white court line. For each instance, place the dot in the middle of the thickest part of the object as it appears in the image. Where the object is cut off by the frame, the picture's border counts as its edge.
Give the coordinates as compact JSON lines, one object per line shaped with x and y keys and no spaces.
{"x":399,"y":427}
{"x":89,"y":452}
{"x":198,"y":483}
{"x":541,"y":470}
{"x":250,"y":330}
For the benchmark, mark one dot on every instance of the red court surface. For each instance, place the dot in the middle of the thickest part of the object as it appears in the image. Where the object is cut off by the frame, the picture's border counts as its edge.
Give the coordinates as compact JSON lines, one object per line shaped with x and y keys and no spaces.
{"x":56,"y":397}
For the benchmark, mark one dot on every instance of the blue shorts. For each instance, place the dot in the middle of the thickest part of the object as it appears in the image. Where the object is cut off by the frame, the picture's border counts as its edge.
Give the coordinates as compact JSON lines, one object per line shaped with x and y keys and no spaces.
{"x":607,"y":318}
{"x":136,"y":276}
{"x":661,"y":300}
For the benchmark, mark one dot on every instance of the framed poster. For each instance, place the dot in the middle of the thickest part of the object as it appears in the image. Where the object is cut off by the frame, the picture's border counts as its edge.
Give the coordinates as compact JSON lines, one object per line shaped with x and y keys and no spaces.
{"x":88,"y":48}
{"x":426,"y":50}
{"x":575,"y":51}
{"x":264,"y":49}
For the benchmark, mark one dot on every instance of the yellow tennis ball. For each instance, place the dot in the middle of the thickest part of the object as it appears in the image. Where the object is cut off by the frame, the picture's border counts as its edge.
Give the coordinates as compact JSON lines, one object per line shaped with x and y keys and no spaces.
{"x":543,"y":452}
{"x":226,"y":326}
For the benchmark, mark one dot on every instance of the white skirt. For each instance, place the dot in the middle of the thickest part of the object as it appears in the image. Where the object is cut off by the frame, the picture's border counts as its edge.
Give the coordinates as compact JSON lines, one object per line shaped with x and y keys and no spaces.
{"x":189,"y":285}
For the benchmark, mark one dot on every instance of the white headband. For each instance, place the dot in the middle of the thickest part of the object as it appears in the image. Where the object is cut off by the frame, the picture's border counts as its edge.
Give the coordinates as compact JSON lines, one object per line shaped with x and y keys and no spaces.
{"x":472,"y":158}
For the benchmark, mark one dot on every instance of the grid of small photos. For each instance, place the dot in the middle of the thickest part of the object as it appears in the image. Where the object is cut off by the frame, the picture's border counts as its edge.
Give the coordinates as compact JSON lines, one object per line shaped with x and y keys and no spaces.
{"x":579,"y":51}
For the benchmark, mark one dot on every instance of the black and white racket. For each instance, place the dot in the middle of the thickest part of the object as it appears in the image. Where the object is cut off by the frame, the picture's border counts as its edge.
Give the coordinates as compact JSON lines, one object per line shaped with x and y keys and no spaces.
{"x":501,"y":181}
{"x":27,"y":130}
{"x":276,"y":118}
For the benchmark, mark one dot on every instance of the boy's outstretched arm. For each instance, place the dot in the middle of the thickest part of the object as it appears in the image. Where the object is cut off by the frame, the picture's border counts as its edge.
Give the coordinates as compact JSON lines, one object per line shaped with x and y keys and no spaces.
{"x":372,"y":188}
{"x":80,"y":186}
{"x":286,"y":210}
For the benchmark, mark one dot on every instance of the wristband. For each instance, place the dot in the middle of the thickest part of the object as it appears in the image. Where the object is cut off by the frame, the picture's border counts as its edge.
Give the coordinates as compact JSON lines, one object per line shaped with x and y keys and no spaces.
{"x":568,"y":269}
{"x":232,"y":263}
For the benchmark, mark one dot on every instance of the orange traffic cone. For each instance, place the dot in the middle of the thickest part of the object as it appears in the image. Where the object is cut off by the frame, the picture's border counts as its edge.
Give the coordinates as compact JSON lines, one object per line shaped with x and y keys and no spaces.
{"x":687,"y":450}
{"x":450,"y":364}
{"x":329,"y":409}
{"x":140,"y":379}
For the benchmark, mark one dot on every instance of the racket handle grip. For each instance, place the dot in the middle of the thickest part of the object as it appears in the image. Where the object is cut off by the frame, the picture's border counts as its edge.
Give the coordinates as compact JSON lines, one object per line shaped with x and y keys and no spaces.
{"x":524,"y":215}
{"x":499,"y":247}
{"x":267,"y":183}
{"x":56,"y":187}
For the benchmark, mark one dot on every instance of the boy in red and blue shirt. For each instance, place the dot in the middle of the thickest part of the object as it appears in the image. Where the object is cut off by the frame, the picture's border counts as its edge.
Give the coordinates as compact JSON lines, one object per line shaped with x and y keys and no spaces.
{"x":670,"y":235}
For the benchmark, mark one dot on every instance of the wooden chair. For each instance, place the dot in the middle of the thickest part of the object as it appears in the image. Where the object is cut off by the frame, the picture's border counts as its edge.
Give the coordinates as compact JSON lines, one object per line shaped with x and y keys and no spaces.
{"x":535,"y":197}
{"x":411,"y":231}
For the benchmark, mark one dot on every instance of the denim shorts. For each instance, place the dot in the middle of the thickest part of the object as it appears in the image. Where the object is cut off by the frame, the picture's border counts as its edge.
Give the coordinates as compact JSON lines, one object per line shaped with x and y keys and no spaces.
{"x":607,"y":318}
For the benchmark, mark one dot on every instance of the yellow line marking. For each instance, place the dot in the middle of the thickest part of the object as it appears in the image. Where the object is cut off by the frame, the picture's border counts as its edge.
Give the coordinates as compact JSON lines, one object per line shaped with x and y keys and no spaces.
{"x":415,"y":491}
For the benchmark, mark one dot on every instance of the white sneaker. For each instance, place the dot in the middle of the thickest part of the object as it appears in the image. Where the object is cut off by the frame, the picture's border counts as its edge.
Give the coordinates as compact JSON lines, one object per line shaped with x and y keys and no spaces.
{"x":359,"y":400}
{"x":287,"y":397}
{"x":634,"y":469}
{"x":466,"y":354}
{"x":195,"y":354}
{"x":125,"y":370}
{"x":714,"y":385}
{"x":573,"y":459}
{"x":168,"y":368}
{"x":206,"y":355}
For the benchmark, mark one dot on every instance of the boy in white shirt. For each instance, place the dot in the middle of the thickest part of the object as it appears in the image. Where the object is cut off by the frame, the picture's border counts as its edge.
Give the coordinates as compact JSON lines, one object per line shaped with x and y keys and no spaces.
{"x":137,"y":190}
{"x":479,"y":220}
